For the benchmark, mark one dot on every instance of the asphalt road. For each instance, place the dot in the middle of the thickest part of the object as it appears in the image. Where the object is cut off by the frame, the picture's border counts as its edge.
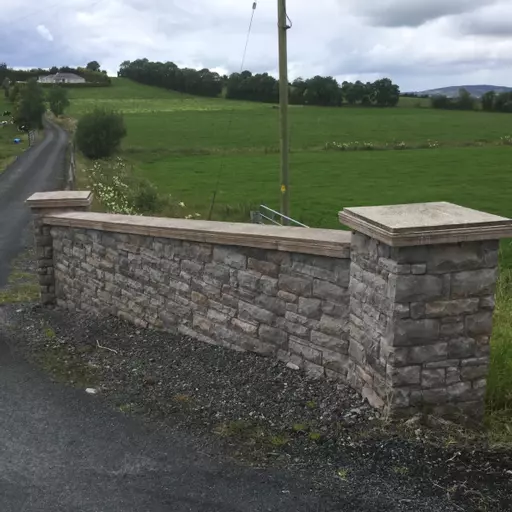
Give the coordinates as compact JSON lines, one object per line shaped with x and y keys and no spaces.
{"x":38,"y":169}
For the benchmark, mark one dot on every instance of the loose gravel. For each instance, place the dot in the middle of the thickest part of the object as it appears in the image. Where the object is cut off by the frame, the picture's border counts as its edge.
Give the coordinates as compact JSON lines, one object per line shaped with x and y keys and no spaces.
{"x":266,"y":414}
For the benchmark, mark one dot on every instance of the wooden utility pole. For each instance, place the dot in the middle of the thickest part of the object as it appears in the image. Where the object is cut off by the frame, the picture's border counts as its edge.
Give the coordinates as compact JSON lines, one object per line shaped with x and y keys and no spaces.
{"x":283,"y":103}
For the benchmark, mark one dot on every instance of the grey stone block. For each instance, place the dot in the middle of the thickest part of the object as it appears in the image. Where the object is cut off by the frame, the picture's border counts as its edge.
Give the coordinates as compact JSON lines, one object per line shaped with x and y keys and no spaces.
{"x":230,"y":257}
{"x":479,"y":324}
{"x":287,"y":297}
{"x":415,"y":332}
{"x":427,"y":353}
{"x":453,"y":375}
{"x":411,"y":288}
{"x":297,"y":329}
{"x":295,"y":285}
{"x":248,"y":279}
{"x":335,"y":361}
{"x":336,"y":344}
{"x":273,"y":336}
{"x":328,"y":291}
{"x":459,"y":391}
{"x":461,"y":348}
{"x":394,"y":267}
{"x":434,"y":396}
{"x":310,"y":308}
{"x":272,"y":304}
{"x":405,"y":376}
{"x":417,"y":310}
{"x":474,"y":372}
{"x":245,"y":327}
{"x":268,"y":285}
{"x":473,"y":283}
{"x":433,"y":378}
{"x":263,"y":267}
{"x":419,"y":269}
{"x":249,"y":312}
{"x":297,"y":346}
{"x":487,"y":302}
{"x":451,"y":307}
{"x":333,"y":326}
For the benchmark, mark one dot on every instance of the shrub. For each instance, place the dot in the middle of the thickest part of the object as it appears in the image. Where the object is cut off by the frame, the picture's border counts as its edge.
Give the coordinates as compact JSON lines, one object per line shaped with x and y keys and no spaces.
{"x":99,"y":134}
{"x":58,"y":100}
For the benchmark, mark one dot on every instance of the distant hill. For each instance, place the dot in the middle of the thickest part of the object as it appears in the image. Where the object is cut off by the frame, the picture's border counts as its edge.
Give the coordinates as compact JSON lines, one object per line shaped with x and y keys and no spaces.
{"x":474,"y":90}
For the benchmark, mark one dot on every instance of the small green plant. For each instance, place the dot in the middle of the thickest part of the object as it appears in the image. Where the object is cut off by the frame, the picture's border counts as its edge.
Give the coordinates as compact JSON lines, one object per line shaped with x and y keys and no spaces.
{"x":342,"y":474}
{"x":311,"y":404}
{"x":401,"y":470}
{"x":279,"y":440}
{"x":315,"y":436}
{"x":50,"y":333}
{"x":300,"y":427}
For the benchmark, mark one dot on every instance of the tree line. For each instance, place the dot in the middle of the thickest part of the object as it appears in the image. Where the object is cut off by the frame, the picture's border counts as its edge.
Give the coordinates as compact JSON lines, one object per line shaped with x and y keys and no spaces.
{"x":91,"y":73}
{"x":489,"y":102}
{"x":324,"y":91}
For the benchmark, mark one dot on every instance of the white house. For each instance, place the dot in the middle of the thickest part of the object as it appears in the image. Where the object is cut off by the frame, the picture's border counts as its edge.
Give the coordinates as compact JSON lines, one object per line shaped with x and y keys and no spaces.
{"x":62,"y":78}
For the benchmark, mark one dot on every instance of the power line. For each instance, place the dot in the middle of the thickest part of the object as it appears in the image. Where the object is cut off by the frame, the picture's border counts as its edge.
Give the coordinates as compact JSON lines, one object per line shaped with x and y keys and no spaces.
{"x":222,"y":163}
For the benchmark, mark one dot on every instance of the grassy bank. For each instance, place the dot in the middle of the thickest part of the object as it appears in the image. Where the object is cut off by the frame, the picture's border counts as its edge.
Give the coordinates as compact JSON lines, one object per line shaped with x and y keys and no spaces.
{"x":8,"y":150}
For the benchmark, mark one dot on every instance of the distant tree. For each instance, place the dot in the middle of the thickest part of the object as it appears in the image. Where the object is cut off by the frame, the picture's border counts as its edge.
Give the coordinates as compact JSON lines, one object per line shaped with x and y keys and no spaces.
{"x":30,"y":107}
{"x":488,"y":101}
{"x":99,"y":134}
{"x":93,"y":66}
{"x":54,"y":70}
{"x":58,"y":100}
{"x":465,"y":101}
{"x":387,"y":94}
{"x":503,"y":102}
{"x":5,"y":86}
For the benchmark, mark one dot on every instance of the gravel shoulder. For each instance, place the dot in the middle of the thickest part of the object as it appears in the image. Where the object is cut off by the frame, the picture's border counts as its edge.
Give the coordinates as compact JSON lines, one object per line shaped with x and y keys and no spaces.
{"x":262,"y":414}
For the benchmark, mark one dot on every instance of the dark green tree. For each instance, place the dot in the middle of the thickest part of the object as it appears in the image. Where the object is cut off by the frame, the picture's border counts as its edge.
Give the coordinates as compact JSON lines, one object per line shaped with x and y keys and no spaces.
{"x":58,"y":100}
{"x":465,"y":101}
{"x":94,"y":65}
{"x":99,"y":133}
{"x":386,"y":93}
{"x":488,"y":101}
{"x":30,"y":106}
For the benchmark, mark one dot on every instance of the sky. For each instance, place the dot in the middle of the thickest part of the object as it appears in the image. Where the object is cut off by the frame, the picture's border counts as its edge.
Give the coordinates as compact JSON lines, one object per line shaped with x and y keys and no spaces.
{"x":419,"y":44}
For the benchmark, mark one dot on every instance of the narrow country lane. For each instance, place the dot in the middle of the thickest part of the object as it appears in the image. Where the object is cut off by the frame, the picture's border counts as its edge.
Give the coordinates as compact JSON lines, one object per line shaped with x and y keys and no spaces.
{"x":38,"y":169}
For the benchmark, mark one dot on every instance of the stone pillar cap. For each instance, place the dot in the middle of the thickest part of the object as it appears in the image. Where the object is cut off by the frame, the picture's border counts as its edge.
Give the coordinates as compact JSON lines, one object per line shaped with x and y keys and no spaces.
{"x":425,"y":224}
{"x":60,"y":199}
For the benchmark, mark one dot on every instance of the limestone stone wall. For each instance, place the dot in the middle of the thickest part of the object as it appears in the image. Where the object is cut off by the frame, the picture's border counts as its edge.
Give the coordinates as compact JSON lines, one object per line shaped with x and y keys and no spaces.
{"x":420,"y":324}
{"x":291,"y":305}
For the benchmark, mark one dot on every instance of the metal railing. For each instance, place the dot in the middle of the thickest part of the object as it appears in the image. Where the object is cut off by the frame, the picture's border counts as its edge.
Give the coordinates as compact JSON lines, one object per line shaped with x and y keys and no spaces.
{"x":266,"y":215}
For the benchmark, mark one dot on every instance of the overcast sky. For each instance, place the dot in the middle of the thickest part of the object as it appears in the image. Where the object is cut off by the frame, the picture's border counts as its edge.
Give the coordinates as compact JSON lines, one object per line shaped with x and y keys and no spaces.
{"x":419,"y":44}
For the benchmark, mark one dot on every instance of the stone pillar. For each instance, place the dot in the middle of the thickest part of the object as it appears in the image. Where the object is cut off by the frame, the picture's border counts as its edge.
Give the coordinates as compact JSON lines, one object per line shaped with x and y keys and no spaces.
{"x":422,"y":288}
{"x":42,"y":204}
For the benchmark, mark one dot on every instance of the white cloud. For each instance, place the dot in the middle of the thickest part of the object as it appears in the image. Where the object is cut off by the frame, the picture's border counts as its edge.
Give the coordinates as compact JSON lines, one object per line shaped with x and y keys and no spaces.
{"x":418,"y":43}
{"x":44,"y":32}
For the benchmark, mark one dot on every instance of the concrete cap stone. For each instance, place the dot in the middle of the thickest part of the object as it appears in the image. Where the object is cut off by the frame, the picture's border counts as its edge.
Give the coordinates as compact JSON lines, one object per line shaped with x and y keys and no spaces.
{"x":425,"y":223}
{"x":60,"y":199}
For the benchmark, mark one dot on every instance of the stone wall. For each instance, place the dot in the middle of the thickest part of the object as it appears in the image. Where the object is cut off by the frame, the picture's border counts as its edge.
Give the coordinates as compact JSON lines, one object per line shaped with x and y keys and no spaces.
{"x":420,"y":323}
{"x":290,"y":305}
{"x":401,"y":309}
